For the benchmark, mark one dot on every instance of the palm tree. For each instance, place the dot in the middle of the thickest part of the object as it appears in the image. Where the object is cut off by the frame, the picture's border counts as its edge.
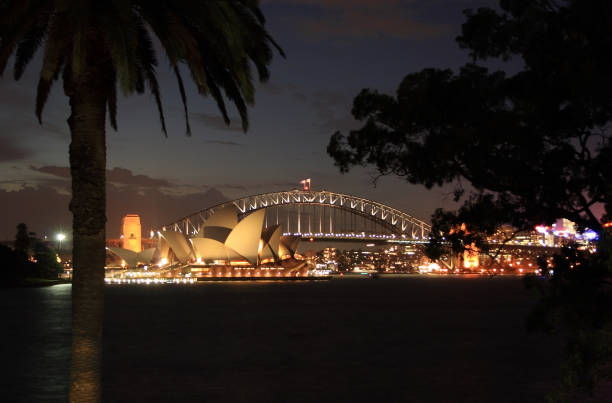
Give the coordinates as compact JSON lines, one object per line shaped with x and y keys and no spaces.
{"x":95,"y":47}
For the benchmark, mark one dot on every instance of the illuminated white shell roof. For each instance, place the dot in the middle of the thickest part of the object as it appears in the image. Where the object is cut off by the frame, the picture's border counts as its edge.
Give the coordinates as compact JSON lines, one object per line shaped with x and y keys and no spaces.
{"x":271,"y":237}
{"x":179,"y":245}
{"x":226,"y":217}
{"x":210,"y":250}
{"x":246,"y":236}
{"x":132,"y":258}
{"x":128,"y":256}
{"x":290,"y":242}
{"x":146,"y":256}
{"x":214,"y":232}
{"x":223,"y":238}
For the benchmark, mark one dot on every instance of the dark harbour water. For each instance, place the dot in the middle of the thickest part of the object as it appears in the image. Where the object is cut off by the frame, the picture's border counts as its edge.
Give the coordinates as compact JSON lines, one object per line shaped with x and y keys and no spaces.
{"x":35,"y":344}
{"x":421,"y":339}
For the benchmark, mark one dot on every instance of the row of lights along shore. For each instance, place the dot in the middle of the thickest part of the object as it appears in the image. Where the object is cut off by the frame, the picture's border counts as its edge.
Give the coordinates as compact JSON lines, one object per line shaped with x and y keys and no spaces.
{"x":150,"y":281}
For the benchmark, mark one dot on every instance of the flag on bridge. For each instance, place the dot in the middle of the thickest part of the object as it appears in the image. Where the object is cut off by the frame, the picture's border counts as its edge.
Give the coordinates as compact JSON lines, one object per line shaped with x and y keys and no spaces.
{"x":305,"y":184}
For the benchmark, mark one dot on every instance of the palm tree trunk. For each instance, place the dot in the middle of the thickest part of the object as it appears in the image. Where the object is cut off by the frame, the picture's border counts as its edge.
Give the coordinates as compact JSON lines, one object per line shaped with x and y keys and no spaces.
{"x":88,"y":207}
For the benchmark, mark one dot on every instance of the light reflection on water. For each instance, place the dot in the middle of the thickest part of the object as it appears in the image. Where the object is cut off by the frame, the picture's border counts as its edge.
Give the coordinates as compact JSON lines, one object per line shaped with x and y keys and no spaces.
{"x":35,"y":343}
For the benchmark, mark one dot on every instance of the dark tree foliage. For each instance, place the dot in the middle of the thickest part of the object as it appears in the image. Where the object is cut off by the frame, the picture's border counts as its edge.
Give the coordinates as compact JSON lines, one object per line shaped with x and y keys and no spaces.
{"x":537,"y":140}
{"x":16,"y":268}
{"x":27,"y":246}
{"x":47,"y":265}
{"x":22,"y":240}
{"x":483,"y":213}
{"x":13,"y":266}
{"x":576,"y":300}
{"x":535,"y":146}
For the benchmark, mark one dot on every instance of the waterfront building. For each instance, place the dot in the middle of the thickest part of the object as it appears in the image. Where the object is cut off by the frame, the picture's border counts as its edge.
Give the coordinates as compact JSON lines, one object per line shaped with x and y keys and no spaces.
{"x":131,"y":233}
{"x":225,"y":240}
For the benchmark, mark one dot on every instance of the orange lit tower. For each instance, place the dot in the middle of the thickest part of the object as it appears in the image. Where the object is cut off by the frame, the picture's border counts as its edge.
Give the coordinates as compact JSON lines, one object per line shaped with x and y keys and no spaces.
{"x":470,"y":259}
{"x":131,"y":232}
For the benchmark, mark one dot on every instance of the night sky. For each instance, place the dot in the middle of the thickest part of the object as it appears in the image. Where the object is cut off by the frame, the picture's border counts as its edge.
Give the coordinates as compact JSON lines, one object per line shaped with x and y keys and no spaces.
{"x":334,"y":49}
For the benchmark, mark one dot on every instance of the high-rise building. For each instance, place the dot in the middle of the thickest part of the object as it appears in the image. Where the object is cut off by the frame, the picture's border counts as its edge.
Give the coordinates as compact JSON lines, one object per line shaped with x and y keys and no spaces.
{"x":330,"y":254}
{"x":131,"y":233}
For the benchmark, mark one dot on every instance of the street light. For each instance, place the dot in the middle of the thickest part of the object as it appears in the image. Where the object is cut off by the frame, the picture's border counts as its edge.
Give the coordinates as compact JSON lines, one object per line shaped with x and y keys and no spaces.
{"x":60,"y":237}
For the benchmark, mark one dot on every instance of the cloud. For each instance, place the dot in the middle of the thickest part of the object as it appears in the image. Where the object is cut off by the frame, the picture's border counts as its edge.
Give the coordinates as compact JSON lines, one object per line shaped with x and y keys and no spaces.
{"x":155,"y":208}
{"x":229,"y":186}
{"x":278,"y":186}
{"x":61,"y":172}
{"x":61,"y":132}
{"x":283,"y":185}
{"x":327,"y":103}
{"x":331,"y":109}
{"x":223,"y":143}
{"x":11,"y":150}
{"x":119,"y":176}
{"x":126,"y":177}
{"x":271,"y":88}
{"x":17,"y":118}
{"x":364,"y":19}
{"x":45,"y":210}
{"x":292,"y":89}
{"x":255,"y":188}
{"x":216,"y":122}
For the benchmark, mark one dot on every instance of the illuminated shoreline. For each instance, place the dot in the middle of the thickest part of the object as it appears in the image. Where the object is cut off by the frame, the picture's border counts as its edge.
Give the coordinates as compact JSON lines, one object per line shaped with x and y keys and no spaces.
{"x":195,"y":280}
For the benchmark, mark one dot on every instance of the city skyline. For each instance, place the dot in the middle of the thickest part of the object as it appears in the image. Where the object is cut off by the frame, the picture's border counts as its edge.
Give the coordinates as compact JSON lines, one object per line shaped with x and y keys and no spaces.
{"x":424,"y":191}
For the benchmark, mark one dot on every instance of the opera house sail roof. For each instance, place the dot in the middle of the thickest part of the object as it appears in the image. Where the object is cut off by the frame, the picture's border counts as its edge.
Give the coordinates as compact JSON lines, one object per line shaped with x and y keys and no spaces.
{"x":224,"y":239}
{"x":132,"y":258}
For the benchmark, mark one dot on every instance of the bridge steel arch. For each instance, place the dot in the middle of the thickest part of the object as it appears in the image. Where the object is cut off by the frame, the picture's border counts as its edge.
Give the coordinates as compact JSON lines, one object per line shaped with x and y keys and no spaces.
{"x":395,"y":221}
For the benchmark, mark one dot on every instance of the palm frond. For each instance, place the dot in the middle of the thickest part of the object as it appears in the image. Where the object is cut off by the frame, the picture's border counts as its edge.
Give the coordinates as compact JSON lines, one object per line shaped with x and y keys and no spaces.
{"x":111,"y":97}
{"x":42,"y":93}
{"x":121,"y":39}
{"x":27,"y":47}
{"x":219,"y":42}
{"x":234,"y":94}
{"x":44,"y":88}
{"x":13,"y":33}
{"x":56,"y":46}
{"x":179,"y":79}
{"x":55,"y":55}
{"x":11,"y":11}
{"x":218,"y":97}
{"x":147,"y":63}
{"x":79,"y":15}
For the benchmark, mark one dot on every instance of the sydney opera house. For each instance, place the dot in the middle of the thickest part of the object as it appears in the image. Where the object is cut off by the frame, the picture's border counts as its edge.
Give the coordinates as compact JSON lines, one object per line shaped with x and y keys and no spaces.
{"x":223,"y":247}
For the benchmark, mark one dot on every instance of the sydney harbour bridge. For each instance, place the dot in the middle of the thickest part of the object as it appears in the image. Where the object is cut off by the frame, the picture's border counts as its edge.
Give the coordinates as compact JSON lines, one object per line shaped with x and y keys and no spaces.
{"x":318,"y":216}
{"x":266,"y":228}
